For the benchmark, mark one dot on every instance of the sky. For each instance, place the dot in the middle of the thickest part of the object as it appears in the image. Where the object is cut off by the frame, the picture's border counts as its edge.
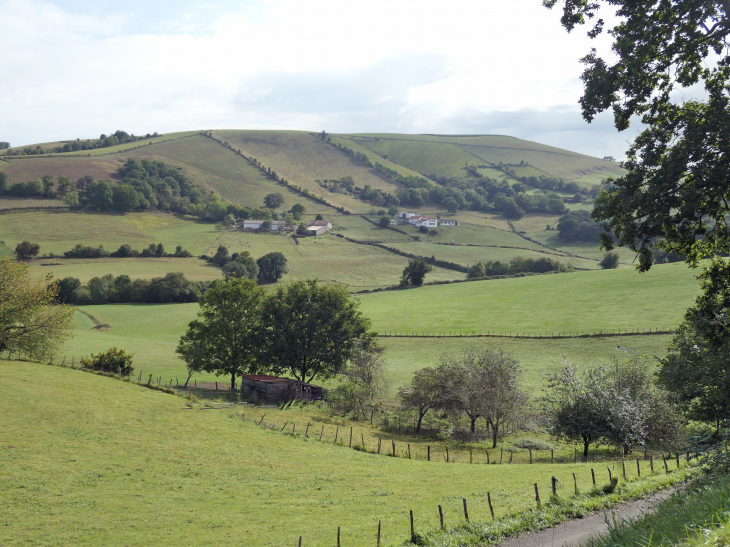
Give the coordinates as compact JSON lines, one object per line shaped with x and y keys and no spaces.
{"x":79,"y":68}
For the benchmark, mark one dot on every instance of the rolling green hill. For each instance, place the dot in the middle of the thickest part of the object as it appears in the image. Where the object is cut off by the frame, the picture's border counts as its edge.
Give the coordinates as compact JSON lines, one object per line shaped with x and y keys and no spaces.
{"x":448,"y":154}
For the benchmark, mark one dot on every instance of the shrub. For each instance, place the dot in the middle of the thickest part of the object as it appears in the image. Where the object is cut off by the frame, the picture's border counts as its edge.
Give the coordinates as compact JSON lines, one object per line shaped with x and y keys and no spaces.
{"x":531,"y":443}
{"x":112,"y":360}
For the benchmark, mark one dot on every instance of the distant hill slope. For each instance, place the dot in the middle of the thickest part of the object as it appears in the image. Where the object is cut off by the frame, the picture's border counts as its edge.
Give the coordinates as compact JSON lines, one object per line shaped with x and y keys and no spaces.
{"x":448,"y":155}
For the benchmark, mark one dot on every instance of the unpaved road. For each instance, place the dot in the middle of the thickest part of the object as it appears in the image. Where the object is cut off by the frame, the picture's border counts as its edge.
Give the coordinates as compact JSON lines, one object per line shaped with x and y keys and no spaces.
{"x":574,"y":532}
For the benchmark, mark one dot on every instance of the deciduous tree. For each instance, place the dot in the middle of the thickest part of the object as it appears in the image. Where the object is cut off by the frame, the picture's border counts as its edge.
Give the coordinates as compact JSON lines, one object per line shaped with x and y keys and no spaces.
{"x":31,"y":320}
{"x":312,"y":330}
{"x":224,"y":339}
{"x":26,"y":249}
{"x":415,"y":272}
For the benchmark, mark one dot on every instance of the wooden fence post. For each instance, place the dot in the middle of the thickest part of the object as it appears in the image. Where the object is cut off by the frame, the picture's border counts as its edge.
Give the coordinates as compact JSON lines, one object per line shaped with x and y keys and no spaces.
{"x":337,"y":432}
{"x":638,"y":468}
{"x":677,"y":460}
{"x":575,"y":484}
{"x":441,"y":516}
{"x":593,"y":476}
{"x":428,"y":448}
{"x":530,"y":450}
{"x":150,"y":380}
{"x":338,"y":536}
{"x":537,"y":495}
{"x":285,"y":424}
{"x":294,"y":428}
{"x":350,"y":445}
{"x":489,"y":501}
{"x":413,"y":531}
{"x":501,"y":453}
{"x":379,"y":522}
{"x":555,"y":486}
{"x":551,"y":455}
{"x":487,"y":451}
{"x":447,"y":453}
{"x":307,"y":430}
{"x":379,"y":442}
{"x":510,"y":456}
{"x":300,"y":541}
{"x":321,"y":433}
{"x":623,"y":467}
{"x":471,"y":456}
{"x":610,"y":476}
{"x":393,"y":441}
{"x":409,"y":451}
{"x":466,"y":511}
{"x":262,"y":419}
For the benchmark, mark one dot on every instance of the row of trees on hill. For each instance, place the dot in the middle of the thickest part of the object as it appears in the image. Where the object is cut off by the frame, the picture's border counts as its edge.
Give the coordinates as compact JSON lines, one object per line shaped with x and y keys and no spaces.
{"x":173,"y":287}
{"x":104,"y":141}
{"x":307,"y":329}
{"x":516,"y":265}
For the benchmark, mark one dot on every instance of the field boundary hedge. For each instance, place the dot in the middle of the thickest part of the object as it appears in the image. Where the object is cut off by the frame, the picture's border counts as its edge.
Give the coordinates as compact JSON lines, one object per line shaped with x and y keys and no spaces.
{"x":603,"y":333}
{"x":440,"y":263}
{"x":536,"y":242}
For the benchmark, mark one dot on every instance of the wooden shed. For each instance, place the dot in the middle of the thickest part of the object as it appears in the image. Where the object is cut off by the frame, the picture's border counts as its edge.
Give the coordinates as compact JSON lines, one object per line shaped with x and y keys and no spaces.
{"x":279,"y":390}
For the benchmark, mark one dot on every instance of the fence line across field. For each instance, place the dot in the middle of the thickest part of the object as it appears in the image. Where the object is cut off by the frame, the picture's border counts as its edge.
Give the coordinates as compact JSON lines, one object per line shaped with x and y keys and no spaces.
{"x":598,"y":333}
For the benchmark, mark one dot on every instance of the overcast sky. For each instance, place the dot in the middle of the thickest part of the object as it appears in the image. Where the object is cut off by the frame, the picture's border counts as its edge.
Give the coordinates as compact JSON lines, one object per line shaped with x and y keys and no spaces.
{"x":78,"y":68}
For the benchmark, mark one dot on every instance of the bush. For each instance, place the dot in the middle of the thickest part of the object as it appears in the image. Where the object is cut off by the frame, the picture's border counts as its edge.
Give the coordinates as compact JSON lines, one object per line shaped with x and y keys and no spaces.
{"x":531,"y":443}
{"x":609,"y":262}
{"x":111,"y":360}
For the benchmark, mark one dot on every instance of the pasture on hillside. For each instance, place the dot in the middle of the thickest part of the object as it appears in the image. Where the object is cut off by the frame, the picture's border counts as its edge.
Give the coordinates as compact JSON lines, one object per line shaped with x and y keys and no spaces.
{"x":84,"y":269}
{"x":447,"y":155}
{"x":151,"y":472}
{"x":60,"y":231}
{"x":301,"y":158}
{"x":583,"y":302}
{"x":208,"y":162}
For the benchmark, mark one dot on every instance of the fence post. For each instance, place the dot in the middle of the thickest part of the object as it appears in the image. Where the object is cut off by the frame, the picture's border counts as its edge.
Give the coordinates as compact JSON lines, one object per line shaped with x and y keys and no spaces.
{"x":610,"y":475}
{"x":530,"y":449}
{"x":362,"y":438}
{"x":551,"y":455}
{"x":350,"y":445}
{"x":489,"y":500}
{"x":428,"y":448}
{"x":441,"y":516}
{"x":307,"y":430}
{"x":537,"y":495}
{"x":651,"y":463}
{"x":338,"y":536}
{"x":337,"y":432}
{"x":379,"y":533}
{"x":321,"y":433}
{"x":623,"y":467}
{"x":593,"y":476}
{"x":555,"y":486}
{"x":413,"y":532}
{"x":575,"y":484}
{"x":466,"y":511}
{"x":150,"y":380}
{"x":379,"y":442}
{"x":501,"y":453}
{"x":447,"y":453}
{"x":638,"y":468}
{"x":393,"y":441}
{"x":409,"y":451}
{"x":487,"y":451}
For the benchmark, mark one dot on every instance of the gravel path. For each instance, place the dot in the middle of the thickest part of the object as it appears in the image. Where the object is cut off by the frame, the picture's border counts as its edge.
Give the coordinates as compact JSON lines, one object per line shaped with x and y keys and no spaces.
{"x":574,"y":532}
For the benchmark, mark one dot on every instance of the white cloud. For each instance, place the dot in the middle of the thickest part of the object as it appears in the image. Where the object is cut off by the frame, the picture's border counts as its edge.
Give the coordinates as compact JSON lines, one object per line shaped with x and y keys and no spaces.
{"x":348,"y":66}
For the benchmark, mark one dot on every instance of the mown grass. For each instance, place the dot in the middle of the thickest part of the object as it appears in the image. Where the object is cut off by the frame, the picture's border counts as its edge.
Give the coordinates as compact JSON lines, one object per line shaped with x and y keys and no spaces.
{"x":59,"y":231}
{"x":75,"y":445}
{"x":329,"y":258}
{"x":194,"y":269}
{"x":693,"y":518}
{"x":576,"y":302}
{"x":152,"y":332}
{"x":301,"y":158}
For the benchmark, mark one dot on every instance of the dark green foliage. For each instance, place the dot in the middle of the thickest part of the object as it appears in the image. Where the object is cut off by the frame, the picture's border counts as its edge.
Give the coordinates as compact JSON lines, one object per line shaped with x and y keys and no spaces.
{"x":517,"y":265}
{"x":118,"y":137}
{"x":221,"y":256}
{"x":79,"y":251}
{"x":274,"y":201}
{"x":66,"y":288}
{"x":3,"y":182}
{"x":415,"y":272}
{"x":609,"y":262}
{"x":225,"y":337}
{"x":677,"y":182}
{"x":578,"y":226}
{"x":298,"y":210}
{"x":113,"y":360}
{"x":181,"y":253}
{"x":241,"y":265}
{"x":271,"y":267}
{"x":4,"y":145}
{"x":311,"y":330}
{"x":100,"y":196}
{"x":384,"y":221}
{"x":125,"y":198}
{"x":26,"y":249}
{"x":696,"y":367}
{"x":319,"y":217}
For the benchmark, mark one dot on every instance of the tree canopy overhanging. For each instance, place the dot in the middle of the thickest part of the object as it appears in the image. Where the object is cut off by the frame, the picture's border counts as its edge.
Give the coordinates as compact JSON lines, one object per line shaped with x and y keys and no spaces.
{"x":677,"y":186}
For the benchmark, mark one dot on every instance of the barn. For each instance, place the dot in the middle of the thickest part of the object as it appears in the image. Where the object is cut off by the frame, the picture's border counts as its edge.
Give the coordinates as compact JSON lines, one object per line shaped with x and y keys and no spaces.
{"x":272,"y":389}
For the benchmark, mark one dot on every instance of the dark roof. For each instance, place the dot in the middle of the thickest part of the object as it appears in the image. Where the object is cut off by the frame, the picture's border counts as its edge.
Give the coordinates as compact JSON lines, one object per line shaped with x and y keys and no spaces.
{"x":263,"y":378}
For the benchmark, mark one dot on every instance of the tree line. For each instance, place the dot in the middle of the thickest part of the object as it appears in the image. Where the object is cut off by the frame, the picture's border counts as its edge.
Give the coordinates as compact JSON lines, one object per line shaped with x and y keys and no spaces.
{"x":516,"y":265}
{"x":104,"y":141}
{"x":268,"y":268}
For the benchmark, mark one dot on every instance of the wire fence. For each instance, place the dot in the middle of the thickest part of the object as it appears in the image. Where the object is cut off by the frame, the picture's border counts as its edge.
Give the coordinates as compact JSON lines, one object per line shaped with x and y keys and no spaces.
{"x":595,"y":333}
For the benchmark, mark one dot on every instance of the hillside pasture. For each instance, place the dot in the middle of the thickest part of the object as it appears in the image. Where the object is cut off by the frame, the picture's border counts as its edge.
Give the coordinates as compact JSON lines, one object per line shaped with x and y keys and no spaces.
{"x":590,"y":250}
{"x":8,"y":202}
{"x":131,"y":145}
{"x":35,"y":167}
{"x":59,"y":231}
{"x":194,"y":269}
{"x":233,"y":177}
{"x":155,"y":474}
{"x":329,"y":258}
{"x":603,"y":300}
{"x":301,"y":158}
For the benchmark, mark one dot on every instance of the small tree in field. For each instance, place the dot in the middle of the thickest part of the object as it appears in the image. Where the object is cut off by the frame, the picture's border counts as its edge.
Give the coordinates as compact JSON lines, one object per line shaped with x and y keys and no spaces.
{"x":415,"y":272}
{"x":424,"y":394}
{"x":26,"y":250}
{"x":112,"y":360}
{"x":364,"y":377}
{"x":610,"y":261}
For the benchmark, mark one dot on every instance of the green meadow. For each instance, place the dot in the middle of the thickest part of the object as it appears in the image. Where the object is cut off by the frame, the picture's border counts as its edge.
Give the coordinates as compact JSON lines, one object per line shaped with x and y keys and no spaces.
{"x":194,"y":269}
{"x":86,"y":459}
{"x":60,"y":231}
{"x":582,"y":302}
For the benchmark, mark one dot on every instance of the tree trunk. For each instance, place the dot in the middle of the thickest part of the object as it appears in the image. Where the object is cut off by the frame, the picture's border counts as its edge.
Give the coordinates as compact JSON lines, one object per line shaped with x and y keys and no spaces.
{"x":586,"y":444}
{"x":495,"y":431}
{"x":420,"y":419}
{"x":474,"y":425}
{"x":233,"y":381}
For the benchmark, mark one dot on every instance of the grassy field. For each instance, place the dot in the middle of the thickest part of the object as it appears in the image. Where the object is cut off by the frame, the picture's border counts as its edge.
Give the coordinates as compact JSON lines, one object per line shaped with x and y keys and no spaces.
{"x":194,"y":269}
{"x":75,"y":444}
{"x":581,"y":301}
{"x":447,"y":154}
{"x":60,"y":231}
{"x":207,"y":162}
{"x":74,"y":167}
{"x":301,"y":158}
{"x":7,"y":202}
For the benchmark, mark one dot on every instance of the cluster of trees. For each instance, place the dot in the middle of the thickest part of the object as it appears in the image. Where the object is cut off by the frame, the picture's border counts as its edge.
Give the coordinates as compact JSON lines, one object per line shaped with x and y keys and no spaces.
{"x":174,"y":287}
{"x":548,"y":182}
{"x":515,"y":266}
{"x":125,"y":251}
{"x":481,"y":383}
{"x":112,"y":360}
{"x":4,"y":145}
{"x":31,"y":320}
{"x":42,"y":188}
{"x":579,"y":226}
{"x":621,"y":406}
{"x":267,"y":269}
{"x":104,"y":141}
{"x":25,"y":250}
{"x":306,"y":329}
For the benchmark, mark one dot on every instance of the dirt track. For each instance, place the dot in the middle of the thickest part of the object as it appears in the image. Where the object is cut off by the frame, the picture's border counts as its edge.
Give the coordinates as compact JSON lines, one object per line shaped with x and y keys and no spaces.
{"x":574,"y":532}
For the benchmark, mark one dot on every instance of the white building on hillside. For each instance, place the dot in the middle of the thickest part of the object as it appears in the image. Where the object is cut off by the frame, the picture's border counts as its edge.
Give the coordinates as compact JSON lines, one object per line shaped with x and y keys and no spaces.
{"x":449,"y":222}
{"x":259,"y":225}
{"x":428,"y":222}
{"x":408,"y":215}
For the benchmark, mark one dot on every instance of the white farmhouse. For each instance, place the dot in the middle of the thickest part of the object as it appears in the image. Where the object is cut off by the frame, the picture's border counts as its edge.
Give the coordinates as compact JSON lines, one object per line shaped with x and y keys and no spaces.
{"x":428,"y":222}
{"x":449,"y":222}
{"x":407,"y":215}
{"x":259,"y":225}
